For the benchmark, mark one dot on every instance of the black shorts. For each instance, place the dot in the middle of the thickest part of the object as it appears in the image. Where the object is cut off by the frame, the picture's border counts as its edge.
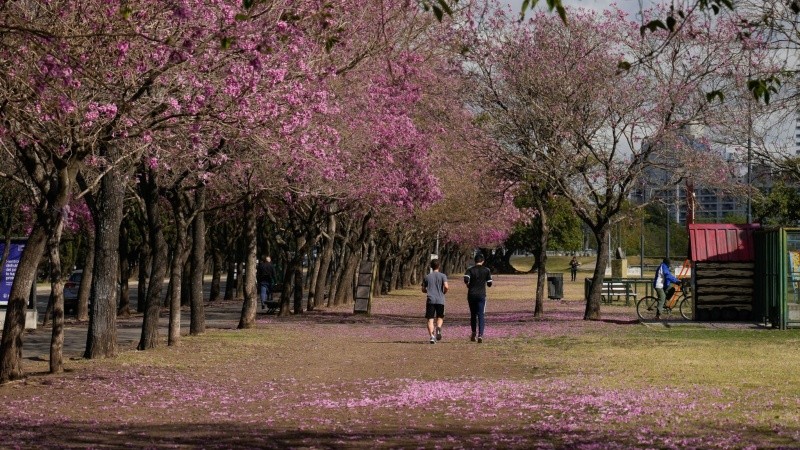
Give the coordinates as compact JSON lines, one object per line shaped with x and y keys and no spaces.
{"x":433,"y":311}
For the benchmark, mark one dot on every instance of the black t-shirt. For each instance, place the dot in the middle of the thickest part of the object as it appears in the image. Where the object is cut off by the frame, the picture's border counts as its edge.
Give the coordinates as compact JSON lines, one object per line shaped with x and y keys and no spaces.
{"x":265,"y":272}
{"x":477,"y":278}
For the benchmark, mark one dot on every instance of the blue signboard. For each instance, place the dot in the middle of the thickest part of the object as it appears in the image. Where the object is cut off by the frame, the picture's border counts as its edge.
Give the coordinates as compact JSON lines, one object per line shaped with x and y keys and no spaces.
{"x":9,"y":269}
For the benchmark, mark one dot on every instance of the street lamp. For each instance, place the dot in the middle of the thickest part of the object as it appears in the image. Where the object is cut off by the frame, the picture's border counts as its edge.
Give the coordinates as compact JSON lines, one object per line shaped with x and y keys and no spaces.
{"x":641,"y":234}
{"x":749,"y":164}
{"x":669,"y":219}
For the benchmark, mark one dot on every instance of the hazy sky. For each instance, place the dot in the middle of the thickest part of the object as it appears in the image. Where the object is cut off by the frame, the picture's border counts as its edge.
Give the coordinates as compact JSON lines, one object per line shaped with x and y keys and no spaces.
{"x":631,"y":6}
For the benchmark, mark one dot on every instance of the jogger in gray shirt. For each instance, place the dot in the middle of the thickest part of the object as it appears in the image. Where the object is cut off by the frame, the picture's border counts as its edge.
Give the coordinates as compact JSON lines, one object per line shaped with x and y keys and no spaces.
{"x":435,"y":285}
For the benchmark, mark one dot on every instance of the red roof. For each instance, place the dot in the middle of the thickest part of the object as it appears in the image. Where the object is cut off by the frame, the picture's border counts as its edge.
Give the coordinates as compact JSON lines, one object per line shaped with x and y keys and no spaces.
{"x":722,"y":241}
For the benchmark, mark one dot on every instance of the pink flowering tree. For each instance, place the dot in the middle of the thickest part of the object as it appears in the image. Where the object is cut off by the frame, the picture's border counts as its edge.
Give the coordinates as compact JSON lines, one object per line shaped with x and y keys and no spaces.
{"x":577,"y":124}
{"x":74,"y":102}
{"x":381,"y":166}
{"x":49,"y":132}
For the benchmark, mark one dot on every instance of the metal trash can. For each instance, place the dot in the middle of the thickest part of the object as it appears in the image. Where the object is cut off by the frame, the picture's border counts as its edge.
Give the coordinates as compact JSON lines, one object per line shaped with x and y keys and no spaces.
{"x":555,"y":285}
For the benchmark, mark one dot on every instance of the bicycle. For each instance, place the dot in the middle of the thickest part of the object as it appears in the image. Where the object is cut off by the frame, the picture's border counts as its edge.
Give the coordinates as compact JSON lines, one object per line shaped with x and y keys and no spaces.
{"x":647,"y":307}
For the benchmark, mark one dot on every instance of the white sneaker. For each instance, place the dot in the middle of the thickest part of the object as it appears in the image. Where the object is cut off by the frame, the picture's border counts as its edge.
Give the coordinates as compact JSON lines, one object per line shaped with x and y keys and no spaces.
{"x":433,"y":339}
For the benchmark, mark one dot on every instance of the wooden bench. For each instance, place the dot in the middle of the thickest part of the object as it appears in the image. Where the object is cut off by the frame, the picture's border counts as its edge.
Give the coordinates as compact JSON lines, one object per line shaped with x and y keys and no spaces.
{"x":617,"y":289}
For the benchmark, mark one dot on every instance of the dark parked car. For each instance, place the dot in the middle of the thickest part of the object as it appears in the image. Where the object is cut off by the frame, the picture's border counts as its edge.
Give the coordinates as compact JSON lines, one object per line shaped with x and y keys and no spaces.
{"x":71,"y":288}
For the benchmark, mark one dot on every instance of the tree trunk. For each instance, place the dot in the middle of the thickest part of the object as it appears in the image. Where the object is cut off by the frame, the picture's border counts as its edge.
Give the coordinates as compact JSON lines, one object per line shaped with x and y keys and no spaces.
{"x":298,"y":288}
{"x":124,"y":309}
{"x":377,"y":283}
{"x":325,"y":262}
{"x":57,"y":294}
{"x":176,"y":278}
{"x":186,"y":273}
{"x":394,"y":275}
{"x":312,"y":283}
{"x":248,"y":317}
{"x":593,"y":302}
{"x":346,"y":289}
{"x":336,"y":276}
{"x":168,"y":296}
{"x":158,"y":260}
{"x":408,"y":270}
{"x":240,"y":279}
{"x":292,"y":295}
{"x":14,"y":326}
{"x":145,"y":264}
{"x":230,"y":281}
{"x":197,"y":320}
{"x":541,"y":280}
{"x":86,"y":279}
{"x":297,"y":267}
{"x":101,"y":340}
{"x":216,"y":271}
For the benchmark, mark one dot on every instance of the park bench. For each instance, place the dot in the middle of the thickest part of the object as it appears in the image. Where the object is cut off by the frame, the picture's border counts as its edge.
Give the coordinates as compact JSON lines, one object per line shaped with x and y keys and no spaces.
{"x":617,"y":289}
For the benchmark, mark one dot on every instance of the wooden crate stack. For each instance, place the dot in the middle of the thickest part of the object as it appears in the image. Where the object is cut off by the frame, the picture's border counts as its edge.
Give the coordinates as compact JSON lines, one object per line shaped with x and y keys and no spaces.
{"x":724,"y":290}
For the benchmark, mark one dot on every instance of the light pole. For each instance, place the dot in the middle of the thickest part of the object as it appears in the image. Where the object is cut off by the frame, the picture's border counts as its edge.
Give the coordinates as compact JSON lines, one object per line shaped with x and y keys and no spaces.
{"x":669,"y":222}
{"x":749,"y":163}
{"x":641,"y":234}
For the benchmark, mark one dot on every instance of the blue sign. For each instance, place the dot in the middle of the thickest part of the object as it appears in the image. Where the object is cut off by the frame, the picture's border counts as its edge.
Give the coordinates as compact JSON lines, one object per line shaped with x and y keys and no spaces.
{"x":9,"y":268}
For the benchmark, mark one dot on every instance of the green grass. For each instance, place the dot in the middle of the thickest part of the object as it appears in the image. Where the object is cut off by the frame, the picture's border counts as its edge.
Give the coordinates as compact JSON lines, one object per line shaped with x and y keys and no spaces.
{"x":679,"y":357}
{"x":561,"y":264}
{"x":374,"y":382}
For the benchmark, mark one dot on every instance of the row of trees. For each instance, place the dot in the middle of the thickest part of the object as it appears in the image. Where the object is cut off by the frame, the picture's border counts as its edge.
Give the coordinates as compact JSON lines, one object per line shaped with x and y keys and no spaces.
{"x":589,"y":112}
{"x":185,"y":138}
{"x":166,"y":134}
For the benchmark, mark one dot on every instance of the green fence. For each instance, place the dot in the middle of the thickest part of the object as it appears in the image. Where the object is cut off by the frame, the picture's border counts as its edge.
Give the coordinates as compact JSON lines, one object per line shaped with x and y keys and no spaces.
{"x":777,"y":276}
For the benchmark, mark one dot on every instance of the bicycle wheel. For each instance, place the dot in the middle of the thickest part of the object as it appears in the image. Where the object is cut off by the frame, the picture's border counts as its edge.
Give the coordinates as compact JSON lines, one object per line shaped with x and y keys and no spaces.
{"x":687,"y":308}
{"x":647,"y":308}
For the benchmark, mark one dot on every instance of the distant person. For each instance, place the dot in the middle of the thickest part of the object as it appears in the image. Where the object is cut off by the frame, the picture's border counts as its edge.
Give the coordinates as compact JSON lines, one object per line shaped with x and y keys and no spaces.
{"x":265,"y":276}
{"x":435,"y":285}
{"x":476,"y":279}
{"x":662,"y":283}
{"x":573,"y":268}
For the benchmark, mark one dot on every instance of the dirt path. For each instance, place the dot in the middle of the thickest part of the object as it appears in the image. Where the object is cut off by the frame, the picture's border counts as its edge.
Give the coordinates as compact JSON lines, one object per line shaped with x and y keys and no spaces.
{"x":331,"y":379}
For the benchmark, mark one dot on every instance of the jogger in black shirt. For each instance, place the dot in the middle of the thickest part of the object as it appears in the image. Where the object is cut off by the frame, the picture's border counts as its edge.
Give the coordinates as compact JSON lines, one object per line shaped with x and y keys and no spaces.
{"x":476,"y":279}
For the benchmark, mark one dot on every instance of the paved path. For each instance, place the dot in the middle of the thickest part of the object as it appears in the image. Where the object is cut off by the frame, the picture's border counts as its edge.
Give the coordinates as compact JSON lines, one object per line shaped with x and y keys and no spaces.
{"x":220,"y":315}
{"x":36,"y":343}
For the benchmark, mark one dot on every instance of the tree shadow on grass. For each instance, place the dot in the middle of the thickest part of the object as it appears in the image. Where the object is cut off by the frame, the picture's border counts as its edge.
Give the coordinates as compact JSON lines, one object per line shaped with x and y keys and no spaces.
{"x":230,"y":434}
{"x":621,"y":322}
{"x":338,"y":317}
{"x":227,"y":435}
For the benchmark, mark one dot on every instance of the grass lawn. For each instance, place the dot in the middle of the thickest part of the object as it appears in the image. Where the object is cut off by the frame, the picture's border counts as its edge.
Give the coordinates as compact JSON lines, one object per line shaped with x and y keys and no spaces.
{"x":329,"y":379}
{"x":561,"y":264}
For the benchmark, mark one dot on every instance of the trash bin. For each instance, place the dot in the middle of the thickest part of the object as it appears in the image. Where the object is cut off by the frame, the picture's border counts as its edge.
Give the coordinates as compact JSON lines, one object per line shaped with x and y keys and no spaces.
{"x":555,"y":285}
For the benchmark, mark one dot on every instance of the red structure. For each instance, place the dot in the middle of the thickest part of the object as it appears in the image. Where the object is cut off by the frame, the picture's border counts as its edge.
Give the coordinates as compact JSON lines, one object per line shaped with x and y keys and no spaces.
{"x":723,"y":262}
{"x":720,"y":242}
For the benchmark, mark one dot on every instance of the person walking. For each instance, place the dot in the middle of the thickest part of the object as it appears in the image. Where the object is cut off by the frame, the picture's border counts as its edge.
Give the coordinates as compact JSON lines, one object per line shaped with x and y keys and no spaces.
{"x":662,"y":284}
{"x":573,"y":268}
{"x":477,"y":278}
{"x":435,"y":285}
{"x":265,"y":276}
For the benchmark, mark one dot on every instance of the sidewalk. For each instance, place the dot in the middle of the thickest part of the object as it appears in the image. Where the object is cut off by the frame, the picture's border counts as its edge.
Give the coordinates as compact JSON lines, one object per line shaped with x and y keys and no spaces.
{"x":36,"y":343}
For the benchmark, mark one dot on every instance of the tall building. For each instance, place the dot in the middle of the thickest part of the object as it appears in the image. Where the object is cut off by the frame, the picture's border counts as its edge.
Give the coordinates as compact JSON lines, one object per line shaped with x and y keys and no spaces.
{"x":797,"y":134}
{"x":711,"y":205}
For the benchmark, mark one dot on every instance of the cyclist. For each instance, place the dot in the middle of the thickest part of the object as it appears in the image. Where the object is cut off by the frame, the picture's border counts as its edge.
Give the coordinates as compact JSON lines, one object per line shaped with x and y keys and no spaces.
{"x":663,"y":285}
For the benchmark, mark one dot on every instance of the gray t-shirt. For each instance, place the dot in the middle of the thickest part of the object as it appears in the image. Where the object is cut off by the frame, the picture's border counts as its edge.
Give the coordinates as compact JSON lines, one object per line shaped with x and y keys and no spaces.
{"x":434,"y":283}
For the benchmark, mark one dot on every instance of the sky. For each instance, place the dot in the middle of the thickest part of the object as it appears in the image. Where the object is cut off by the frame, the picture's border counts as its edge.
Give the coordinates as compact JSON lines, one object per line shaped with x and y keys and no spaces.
{"x":781,"y":136}
{"x":631,"y":6}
